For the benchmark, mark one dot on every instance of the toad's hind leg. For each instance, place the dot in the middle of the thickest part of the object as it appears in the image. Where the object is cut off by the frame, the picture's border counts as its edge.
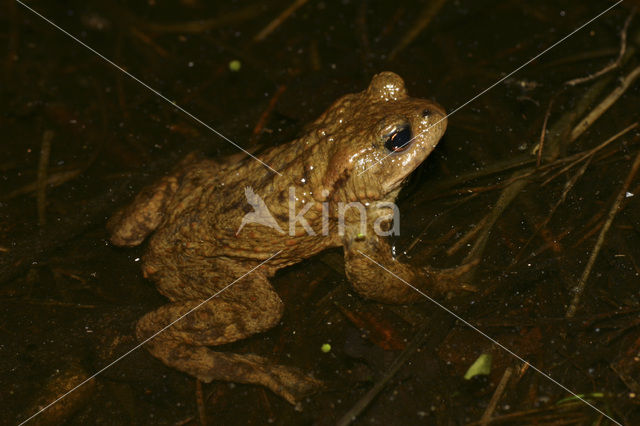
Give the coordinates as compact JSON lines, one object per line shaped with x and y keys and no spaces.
{"x":249,"y":306}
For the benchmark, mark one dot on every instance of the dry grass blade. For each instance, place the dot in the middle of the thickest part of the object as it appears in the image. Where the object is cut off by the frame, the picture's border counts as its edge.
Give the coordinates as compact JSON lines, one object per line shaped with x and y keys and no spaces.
{"x":43,"y":167}
{"x":615,"y":208}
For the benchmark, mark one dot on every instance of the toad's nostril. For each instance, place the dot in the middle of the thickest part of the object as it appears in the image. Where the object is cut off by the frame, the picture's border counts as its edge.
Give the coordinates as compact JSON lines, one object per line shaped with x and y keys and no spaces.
{"x":426,"y":112}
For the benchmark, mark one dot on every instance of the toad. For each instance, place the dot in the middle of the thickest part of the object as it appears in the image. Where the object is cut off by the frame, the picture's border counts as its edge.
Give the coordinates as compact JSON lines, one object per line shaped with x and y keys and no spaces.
{"x":213,"y":225}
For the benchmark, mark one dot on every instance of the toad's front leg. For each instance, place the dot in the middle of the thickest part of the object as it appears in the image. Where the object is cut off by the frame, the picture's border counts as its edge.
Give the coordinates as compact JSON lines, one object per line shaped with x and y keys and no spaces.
{"x":368,"y":255}
{"x":250,"y":306}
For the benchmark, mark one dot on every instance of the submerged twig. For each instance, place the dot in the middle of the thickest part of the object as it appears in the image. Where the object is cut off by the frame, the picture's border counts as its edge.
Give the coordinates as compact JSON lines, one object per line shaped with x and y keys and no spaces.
{"x":567,"y":187}
{"x":262,"y":121}
{"x":543,"y":132}
{"x":51,"y":180}
{"x":586,"y":156}
{"x":428,"y":12}
{"x":467,"y":237}
{"x":12,"y":42}
{"x":525,"y":171}
{"x":364,"y":402}
{"x":506,"y":197}
{"x":43,"y":166}
{"x":279,"y":20}
{"x":143,"y":37}
{"x":202,"y":411}
{"x":562,"y":133}
{"x":603,"y":106}
{"x":363,"y":34}
{"x":488,"y":413}
{"x":557,"y":415}
{"x":613,"y":65}
{"x":46,"y":302}
{"x":591,"y":152}
{"x":418,"y":237}
{"x":615,"y":207}
{"x":203,"y":25}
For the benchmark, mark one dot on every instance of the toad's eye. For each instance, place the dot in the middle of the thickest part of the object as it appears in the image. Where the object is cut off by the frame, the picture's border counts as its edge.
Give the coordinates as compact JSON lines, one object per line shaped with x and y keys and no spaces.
{"x":399,"y":139}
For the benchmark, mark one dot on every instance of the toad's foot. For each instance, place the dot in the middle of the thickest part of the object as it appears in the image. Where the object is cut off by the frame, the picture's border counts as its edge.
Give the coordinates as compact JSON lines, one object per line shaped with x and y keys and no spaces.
{"x":208,"y":365}
{"x":452,"y":279}
{"x":250,"y":306}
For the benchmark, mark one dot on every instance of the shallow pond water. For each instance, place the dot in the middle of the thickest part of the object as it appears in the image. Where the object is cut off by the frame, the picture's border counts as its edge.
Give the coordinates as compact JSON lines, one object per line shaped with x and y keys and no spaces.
{"x":81,"y":138}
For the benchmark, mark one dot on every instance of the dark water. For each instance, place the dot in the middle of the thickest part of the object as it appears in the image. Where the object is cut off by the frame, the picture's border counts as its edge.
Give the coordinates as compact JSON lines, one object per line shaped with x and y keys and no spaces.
{"x":69,"y":300}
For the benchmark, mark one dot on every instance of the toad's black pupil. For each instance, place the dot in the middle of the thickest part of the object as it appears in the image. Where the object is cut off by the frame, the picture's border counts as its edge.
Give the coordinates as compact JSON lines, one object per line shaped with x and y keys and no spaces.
{"x":399,"y":140}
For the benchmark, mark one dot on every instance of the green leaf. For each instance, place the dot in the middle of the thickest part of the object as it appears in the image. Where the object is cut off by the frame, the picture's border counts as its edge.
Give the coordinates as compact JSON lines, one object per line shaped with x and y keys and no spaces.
{"x":481,"y":367}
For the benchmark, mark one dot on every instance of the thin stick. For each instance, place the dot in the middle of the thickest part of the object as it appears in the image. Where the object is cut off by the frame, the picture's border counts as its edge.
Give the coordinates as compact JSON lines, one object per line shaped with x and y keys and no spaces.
{"x":556,"y":415}
{"x":504,"y":201}
{"x":595,"y":113}
{"x":364,"y":402}
{"x":567,"y":187}
{"x":591,"y":152}
{"x":543,"y":132}
{"x":279,"y":20}
{"x":555,"y":144}
{"x":468,"y":236}
{"x":262,"y":121}
{"x":13,"y":39}
{"x":486,"y":416}
{"x":203,"y":25}
{"x":43,"y":165}
{"x":428,"y":12}
{"x":613,"y":65}
{"x":579,"y":290}
{"x":202,"y":411}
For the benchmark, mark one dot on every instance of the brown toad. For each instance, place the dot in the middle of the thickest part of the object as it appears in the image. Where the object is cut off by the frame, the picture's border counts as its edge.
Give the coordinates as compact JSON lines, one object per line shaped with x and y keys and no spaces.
{"x":203,"y":241}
